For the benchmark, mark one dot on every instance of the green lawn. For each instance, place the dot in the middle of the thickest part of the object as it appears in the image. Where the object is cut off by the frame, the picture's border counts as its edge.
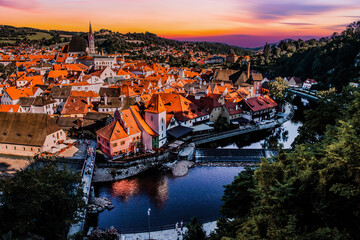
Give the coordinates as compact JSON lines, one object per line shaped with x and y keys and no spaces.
{"x":39,"y":35}
{"x":7,"y":41}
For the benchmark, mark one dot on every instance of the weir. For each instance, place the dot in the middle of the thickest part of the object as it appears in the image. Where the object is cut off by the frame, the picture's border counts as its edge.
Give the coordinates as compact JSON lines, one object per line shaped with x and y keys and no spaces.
{"x":233,"y":155}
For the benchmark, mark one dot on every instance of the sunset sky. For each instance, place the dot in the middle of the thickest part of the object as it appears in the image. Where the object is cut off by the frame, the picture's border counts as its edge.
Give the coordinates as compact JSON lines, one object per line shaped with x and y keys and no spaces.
{"x":237,"y":22}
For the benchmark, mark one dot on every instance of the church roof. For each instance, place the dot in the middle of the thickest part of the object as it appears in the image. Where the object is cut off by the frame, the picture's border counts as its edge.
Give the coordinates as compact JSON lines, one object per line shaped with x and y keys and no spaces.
{"x":78,"y":44}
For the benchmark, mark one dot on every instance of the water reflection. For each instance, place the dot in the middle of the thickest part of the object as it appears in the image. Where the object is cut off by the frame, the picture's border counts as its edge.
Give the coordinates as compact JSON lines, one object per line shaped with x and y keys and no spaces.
{"x":277,"y":138}
{"x":273,"y":138}
{"x":125,"y":189}
{"x":155,"y":188}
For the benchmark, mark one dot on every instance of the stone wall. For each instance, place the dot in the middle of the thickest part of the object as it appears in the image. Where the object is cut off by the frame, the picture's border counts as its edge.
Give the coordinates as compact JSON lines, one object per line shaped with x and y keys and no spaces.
{"x":111,"y":171}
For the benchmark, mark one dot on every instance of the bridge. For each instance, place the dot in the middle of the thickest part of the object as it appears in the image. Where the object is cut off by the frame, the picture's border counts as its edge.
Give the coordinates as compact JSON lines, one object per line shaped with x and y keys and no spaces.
{"x":231,"y":133}
{"x":87,"y":173}
{"x":233,"y":155}
{"x":307,"y":94}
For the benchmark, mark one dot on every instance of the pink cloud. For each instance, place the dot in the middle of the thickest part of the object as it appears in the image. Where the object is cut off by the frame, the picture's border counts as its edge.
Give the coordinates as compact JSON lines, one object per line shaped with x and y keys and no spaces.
{"x":19,"y":4}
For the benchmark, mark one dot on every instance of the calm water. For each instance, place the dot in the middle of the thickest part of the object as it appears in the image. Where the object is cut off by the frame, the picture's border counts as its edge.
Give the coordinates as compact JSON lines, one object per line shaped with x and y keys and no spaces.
{"x":170,"y":199}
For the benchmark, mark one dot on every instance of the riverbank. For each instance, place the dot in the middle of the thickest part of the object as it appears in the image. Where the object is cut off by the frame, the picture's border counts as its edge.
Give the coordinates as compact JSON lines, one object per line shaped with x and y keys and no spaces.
{"x":170,"y":234}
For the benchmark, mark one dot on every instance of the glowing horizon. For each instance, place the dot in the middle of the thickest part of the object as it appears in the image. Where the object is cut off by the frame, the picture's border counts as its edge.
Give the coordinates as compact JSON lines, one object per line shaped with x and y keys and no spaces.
{"x":236,"y":22}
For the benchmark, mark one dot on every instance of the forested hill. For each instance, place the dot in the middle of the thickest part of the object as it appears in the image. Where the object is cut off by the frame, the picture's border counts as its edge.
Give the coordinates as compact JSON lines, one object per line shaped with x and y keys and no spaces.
{"x":332,"y":61}
{"x":111,"y":42}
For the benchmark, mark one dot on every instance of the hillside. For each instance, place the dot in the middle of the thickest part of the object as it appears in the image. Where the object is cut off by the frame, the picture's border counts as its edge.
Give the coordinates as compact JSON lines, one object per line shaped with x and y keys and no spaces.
{"x":111,"y":42}
{"x":332,"y":61}
{"x":116,"y":42}
{"x":10,"y":35}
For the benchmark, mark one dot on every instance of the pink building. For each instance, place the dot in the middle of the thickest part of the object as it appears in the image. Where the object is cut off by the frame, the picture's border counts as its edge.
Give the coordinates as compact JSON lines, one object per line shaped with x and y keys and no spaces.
{"x":121,"y":136}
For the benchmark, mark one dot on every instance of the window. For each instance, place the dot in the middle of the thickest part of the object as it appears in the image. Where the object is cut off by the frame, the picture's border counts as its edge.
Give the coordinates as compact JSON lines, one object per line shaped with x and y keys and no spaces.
{"x":14,"y":148}
{"x":31,"y":149}
{"x":152,"y":118}
{"x":115,"y":144}
{"x":122,"y":142}
{"x":98,"y":138}
{"x":24,"y":148}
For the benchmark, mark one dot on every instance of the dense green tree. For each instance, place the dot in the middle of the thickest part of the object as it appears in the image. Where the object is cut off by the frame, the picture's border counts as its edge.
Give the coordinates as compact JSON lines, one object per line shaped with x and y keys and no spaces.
{"x":221,"y":124}
{"x":40,"y":201}
{"x":277,"y":88}
{"x":310,"y":193}
{"x":238,"y":196}
{"x":267,"y":51}
{"x":194,"y":230}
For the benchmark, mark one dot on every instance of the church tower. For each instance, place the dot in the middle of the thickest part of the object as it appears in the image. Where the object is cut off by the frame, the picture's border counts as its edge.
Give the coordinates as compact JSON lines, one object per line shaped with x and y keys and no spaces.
{"x":91,"y":40}
{"x":155,"y":117}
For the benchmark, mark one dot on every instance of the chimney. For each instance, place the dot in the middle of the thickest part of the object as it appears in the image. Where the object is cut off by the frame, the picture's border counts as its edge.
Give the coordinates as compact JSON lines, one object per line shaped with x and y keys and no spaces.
{"x":248,"y":71}
{"x":105,"y":99}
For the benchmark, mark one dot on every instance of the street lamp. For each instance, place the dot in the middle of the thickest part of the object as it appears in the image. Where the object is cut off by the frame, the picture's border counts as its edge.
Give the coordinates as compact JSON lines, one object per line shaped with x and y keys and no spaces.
{"x":149,"y":220}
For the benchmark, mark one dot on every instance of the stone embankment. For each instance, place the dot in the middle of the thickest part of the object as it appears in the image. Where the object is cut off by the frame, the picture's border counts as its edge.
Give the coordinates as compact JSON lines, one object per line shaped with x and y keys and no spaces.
{"x":112,"y":171}
{"x":106,"y":174}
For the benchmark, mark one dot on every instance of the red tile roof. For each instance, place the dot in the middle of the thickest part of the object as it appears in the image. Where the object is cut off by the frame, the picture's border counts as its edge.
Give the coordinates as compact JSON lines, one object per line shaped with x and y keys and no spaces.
{"x":260,"y":103}
{"x":156,"y":104}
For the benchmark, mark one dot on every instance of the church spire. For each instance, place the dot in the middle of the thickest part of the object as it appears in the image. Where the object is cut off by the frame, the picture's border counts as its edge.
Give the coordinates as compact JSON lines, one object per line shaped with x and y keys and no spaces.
{"x":90,"y":29}
{"x":91,"y":39}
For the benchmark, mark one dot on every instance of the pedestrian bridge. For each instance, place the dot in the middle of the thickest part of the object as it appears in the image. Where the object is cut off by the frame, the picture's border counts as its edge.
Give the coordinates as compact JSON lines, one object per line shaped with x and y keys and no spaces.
{"x":87,"y":173}
{"x":310,"y":95}
{"x":233,"y":155}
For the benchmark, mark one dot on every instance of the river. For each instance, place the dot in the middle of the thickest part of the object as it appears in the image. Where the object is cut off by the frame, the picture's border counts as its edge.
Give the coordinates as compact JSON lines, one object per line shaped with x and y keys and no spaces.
{"x":170,"y":199}
{"x":174,"y":199}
